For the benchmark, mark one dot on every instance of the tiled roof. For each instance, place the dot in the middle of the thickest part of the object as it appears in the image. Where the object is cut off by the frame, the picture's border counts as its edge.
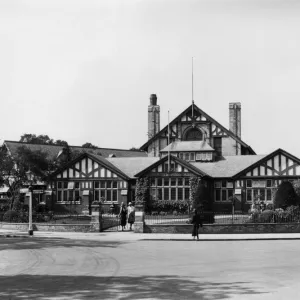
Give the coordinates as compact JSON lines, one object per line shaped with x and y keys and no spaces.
{"x":132,"y":165}
{"x":53,"y":150}
{"x":229,"y":166}
{"x":179,"y":146}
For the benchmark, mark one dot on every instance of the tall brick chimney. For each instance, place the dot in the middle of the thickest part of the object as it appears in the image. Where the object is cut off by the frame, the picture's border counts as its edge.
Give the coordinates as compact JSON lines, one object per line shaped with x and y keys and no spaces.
{"x":153,"y":117}
{"x":235,"y":118}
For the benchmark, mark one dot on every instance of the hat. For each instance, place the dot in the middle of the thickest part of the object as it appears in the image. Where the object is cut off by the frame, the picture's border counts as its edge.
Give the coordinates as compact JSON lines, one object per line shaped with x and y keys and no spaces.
{"x":129,"y":203}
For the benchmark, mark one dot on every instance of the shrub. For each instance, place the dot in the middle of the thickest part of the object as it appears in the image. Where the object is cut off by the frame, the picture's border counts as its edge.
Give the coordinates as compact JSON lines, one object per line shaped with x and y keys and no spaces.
{"x":15,"y":217}
{"x":168,"y":206}
{"x":266,"y":216}
{"x":285,"y":195}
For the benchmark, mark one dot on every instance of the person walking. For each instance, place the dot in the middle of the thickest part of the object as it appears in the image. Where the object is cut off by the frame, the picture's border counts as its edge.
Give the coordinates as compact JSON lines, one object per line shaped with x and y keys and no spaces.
{"x":131,"y":214}
{"x":197,"y":222}
{"x":123,"y":215}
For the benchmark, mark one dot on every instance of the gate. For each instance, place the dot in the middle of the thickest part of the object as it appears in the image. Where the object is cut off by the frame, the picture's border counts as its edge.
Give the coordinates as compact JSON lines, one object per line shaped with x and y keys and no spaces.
{"x":110,"y":218}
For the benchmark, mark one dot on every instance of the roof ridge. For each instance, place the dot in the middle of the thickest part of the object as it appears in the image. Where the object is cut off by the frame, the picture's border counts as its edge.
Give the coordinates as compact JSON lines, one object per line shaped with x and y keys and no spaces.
{"x":97,"y":148}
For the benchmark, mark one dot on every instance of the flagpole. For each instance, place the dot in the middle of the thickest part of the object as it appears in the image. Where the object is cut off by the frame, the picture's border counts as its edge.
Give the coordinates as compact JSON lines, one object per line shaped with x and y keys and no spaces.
{"x":192,"y":86}
{"x":169,"y":158}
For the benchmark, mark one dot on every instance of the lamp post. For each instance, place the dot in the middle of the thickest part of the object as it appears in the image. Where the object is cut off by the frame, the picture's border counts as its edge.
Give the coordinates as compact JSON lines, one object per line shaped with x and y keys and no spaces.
{"x":30,"y":177}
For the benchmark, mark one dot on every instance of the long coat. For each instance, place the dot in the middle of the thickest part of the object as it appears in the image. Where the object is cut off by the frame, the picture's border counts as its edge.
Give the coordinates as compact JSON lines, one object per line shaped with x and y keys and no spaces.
{"x":197,"y":222}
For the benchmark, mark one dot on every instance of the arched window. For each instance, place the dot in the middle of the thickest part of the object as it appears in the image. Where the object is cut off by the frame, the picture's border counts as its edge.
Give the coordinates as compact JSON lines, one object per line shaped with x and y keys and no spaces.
{"x":194,"y":135}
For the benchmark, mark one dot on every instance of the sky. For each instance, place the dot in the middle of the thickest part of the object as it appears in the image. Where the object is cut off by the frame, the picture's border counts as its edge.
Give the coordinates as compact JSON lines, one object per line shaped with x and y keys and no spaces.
{"x":83,"y":71}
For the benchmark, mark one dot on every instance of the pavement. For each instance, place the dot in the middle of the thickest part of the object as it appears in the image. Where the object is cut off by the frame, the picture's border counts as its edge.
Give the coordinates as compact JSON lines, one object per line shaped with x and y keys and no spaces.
{"x":131,"y":236}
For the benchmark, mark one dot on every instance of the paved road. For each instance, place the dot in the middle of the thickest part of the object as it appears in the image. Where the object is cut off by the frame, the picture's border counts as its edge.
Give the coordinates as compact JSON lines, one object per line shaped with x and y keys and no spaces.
{"x":70,"y":267}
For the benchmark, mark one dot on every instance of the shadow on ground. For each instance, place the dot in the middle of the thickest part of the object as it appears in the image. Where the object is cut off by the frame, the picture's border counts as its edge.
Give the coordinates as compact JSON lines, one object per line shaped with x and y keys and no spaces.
{"x":126,"y":288}
{"x":15,"y":243}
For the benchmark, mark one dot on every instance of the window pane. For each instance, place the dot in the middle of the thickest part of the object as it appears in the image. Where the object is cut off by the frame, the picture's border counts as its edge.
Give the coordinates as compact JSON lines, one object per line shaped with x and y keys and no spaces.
{"x":255,"y":194}
{"x":181,"y":155}
{"x":59,"y":185}
{"x":269,"y":183}
{"x":166,"y":181}
{"x":249,"y":183}
{"x":269,"y":194}
{"x":186,"y":193}
{"x":58,"y":196}
{"x":224,"y":195}
{"x":102,"y":194}
{"x":97,"y":184}
{"x":108,"y":195}
{"x":166,"y":193}
{"x":76,"y":185}
{"x":249,"y":195}
{"x":65,"y":196}
{"x":186,"y":182}
{"x":115,"y":195}
{"x":192,"y":156}
{"x":71,"y":195}
{"x":108,"y":184}
{"x":97,"y":196}
{"x":102,"y":184}
{"x":159,"y":182}
{"x":65,"y":184}
{"x":180,"y":194}
{"x":173,"y":193}
{"x":180,"y":181}
{"x":230,"y":193}
{"x":173,"y":181}
{"x":159,"y":194}
{"x":218,"y":195}
{"x":115,"y":184}
{"x":262,"y":194}
{"x":77,"y":197}
{"x":187,"y":156}
{"x":224,"y":183}
{"x":152,"y":181}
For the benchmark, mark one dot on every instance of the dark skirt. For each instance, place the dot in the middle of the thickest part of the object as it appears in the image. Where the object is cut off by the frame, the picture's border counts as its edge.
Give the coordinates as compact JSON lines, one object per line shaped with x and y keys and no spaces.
{"x":123,"y":219}
{"x":131,"y":218}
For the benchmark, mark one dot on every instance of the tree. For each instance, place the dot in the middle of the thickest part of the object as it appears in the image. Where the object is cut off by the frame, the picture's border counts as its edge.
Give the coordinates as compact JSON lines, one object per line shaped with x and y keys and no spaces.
{"x":285,"y":195}
{"x":134,"y":149}
{"x":34,"y":139}
{"x":89,"y":145}
{"x":60,"y":143}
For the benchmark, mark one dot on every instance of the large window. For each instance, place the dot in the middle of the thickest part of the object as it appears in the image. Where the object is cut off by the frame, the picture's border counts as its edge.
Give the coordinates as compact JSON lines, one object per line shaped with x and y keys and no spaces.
{"x":260,"y":189}
{"x":68,"y":191}
{"x":107,"y":190}
{"x":223,"y":190}
{"x":169,"y":188}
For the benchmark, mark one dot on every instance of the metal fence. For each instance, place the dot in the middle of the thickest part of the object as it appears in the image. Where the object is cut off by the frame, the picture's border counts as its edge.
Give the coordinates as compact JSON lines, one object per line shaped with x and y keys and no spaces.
{"x":226,"y":218}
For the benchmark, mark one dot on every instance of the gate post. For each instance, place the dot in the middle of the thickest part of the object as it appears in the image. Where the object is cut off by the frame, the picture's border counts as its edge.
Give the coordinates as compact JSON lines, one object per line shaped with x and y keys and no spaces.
{"x":96,"y":220}
{"x":139,"y":224}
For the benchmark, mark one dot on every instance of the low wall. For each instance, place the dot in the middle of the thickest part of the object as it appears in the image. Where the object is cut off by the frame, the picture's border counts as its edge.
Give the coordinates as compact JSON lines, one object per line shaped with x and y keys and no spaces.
{"x":232,"y":228}
{"x":52,"y":227}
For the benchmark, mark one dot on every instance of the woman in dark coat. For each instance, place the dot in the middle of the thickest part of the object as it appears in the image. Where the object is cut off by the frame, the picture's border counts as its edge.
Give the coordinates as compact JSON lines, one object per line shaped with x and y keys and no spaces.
{"x":123,"y":216}
{"x":197,"y":222}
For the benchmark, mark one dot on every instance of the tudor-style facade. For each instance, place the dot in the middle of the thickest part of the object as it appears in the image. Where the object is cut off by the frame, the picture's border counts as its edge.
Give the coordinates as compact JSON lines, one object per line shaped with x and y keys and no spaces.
{"x":195,"y":145}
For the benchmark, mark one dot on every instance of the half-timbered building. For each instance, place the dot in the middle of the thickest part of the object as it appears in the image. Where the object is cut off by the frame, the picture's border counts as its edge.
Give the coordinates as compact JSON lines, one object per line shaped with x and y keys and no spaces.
{"x":192,"y":144}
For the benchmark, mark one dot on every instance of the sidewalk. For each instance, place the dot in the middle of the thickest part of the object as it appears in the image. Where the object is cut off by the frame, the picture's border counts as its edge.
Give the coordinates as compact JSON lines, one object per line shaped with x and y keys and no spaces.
{"x":131,"y":236}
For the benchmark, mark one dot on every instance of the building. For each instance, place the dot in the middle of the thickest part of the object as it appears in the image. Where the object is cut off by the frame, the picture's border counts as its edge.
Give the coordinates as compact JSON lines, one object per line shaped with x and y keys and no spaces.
{"x":197,"y":146}
{"x":192,"y":145}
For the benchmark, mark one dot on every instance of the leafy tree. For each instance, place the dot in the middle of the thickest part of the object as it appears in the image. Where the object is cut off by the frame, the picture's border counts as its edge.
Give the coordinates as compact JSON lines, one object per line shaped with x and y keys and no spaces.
{"x":89,"y":145}
{"x":285,"y":195}
{"x":34,"y":139}
{"x":60,"y":143}
{"x":134,"y":149}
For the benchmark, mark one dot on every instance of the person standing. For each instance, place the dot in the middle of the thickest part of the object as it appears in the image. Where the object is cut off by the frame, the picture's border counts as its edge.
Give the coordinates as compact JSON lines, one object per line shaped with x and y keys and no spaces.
{"x":197,"y":222}
{"x":131,"y":214}
{"x":123,"y":215}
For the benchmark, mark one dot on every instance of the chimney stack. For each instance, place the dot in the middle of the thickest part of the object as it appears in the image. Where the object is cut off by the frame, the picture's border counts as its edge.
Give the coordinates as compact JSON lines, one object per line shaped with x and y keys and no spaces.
{"x":153,"y":117}
{"x":235,"y":118}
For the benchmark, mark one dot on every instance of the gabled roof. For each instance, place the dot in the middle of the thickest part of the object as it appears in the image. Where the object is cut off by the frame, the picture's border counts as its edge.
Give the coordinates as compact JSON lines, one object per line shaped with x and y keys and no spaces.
{"x":227,"y":167}
{"x":53,"y":150}
{"x":176,"y":159}
{"x":180,"y":146}
{"x":99,"y":159}
{"x":132,"y":165}
{"x":265,"y":159}
{"x":228,"y":132}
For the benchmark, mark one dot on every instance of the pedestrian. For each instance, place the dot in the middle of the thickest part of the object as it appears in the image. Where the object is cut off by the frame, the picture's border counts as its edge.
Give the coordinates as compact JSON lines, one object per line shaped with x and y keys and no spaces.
{"x":123,"y":215}
{"x":197,"y":222}
{"x":131,"y":214}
